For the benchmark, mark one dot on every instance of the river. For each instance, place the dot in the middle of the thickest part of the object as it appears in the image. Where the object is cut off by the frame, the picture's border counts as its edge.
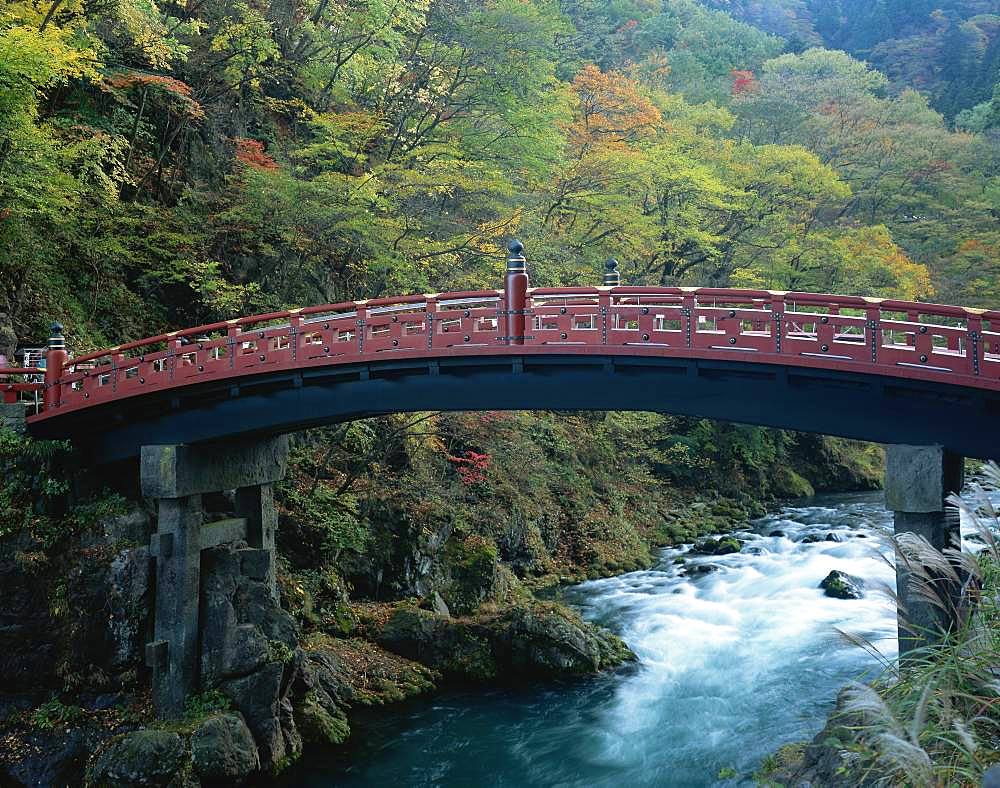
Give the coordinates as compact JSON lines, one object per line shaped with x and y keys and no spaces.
{"x":732,"y":664}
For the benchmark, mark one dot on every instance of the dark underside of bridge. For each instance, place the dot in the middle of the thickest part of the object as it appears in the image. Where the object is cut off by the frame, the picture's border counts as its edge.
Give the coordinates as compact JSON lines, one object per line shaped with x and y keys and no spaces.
{"x":867,"y":407}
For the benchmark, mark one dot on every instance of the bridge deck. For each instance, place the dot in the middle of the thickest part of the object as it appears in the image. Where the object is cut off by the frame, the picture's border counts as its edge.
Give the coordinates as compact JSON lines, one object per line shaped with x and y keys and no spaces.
{"x":867,"y":368}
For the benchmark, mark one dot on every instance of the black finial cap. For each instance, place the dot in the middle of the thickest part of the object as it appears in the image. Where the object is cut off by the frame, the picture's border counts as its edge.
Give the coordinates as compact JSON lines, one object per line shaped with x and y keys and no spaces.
{"x":56,"y":329}
{"x":515,"y":258}
{"x":611,"y":276}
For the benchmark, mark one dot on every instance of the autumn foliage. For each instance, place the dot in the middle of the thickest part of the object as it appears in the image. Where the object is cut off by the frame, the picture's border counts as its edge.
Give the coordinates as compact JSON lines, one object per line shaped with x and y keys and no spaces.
{"x":251,"y":153}
{"x":178,"y":94}
{"x":472,"y":467}
{"x":744,"y":82}
{"x":612,"y":108}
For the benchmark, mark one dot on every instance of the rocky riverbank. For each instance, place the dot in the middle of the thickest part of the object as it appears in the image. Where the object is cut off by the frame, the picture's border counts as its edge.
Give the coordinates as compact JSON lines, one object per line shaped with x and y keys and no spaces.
{"x":411,"y":549}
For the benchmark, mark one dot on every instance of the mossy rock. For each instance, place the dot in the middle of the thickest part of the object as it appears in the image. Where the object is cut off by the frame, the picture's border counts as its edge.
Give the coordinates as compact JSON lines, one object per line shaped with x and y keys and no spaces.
{"x":550,"y":639}
{"x":224,"y":749}
{"x":472,"y":565}
{"x":841,"y":585}
{"x":318,"y":725}
{"x":140,"y":758}
{"x":460,"y":649}
{"x":723,"y":546}
{"x":789,"y":484}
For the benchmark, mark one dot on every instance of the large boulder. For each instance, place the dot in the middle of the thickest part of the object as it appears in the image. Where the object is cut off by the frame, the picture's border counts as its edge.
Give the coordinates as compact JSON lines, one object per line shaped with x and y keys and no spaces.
{"x":552,"y":640}
{"x":130,"y":578}
{"x":250,"y":649}
{"x":47,"y":758}
{"x":541,"y":639}
{"x":460,"y":649}
{"x":722,"y":546}
{"x":141,"y":758}
{"x":320,"y":721}
{"x":29,"y":648}
{"x":841,"y":585}
{"x":223,"y":748}
{"x":260,"y":697}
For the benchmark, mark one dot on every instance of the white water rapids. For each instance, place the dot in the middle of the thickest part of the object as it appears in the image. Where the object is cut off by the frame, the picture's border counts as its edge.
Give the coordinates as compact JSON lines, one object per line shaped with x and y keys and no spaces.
{"x":732,"y":664}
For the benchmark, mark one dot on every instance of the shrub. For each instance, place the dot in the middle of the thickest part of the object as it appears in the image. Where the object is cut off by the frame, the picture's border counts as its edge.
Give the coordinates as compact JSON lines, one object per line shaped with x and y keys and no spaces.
{"x":933,"y":718}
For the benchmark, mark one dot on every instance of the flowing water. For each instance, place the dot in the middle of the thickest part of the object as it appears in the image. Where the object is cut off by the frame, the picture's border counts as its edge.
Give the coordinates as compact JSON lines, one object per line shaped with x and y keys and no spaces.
{"x":732,"y":664}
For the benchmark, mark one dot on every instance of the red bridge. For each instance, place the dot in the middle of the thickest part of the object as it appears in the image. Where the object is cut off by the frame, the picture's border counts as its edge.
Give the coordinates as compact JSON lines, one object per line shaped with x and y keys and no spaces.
{"x":867,"y":368}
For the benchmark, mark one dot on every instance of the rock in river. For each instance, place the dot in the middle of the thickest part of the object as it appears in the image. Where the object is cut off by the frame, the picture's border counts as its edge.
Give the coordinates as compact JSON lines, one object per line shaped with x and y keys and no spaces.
{"x":722,"y":546}
{"x":841,"y":585}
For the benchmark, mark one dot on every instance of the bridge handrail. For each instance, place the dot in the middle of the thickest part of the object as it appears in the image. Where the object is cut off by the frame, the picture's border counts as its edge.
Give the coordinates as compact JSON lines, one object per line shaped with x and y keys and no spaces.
{"x":885,"y":336}
{"x":21,"y":371}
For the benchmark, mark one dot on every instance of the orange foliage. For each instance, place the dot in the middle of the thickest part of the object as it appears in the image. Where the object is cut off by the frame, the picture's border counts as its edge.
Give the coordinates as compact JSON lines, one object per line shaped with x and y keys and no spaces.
{"x":179,"y":91}
{"x":251,"y":153}
{"x":744,"y":82}
{"x":612,"y":109}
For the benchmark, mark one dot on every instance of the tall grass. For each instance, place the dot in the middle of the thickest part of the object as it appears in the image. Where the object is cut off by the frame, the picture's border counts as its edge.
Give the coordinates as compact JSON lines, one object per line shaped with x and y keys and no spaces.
{"x":933,"y":718}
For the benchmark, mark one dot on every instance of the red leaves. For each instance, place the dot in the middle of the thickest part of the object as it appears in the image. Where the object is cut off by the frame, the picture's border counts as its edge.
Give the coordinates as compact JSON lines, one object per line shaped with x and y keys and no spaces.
{"x":744,"y":82}
{"x":178,"y":93}
{"x":251,"y":153}
{"x":472,"y":467}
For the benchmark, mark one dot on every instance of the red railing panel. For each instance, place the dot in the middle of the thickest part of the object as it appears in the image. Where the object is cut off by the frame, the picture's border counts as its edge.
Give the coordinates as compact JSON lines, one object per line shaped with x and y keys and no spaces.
{"x":886,"y":337}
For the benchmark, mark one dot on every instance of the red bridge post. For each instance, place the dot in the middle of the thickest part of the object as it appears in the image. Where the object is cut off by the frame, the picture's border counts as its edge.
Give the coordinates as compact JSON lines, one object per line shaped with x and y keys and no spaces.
{"x":516,"y":293}
{"x":55,"y":359}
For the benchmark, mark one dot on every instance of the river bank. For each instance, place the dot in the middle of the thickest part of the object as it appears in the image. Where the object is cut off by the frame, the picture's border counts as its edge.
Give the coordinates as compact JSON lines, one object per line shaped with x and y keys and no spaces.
{"x":724,"y":655}
{"x":412,"y":555}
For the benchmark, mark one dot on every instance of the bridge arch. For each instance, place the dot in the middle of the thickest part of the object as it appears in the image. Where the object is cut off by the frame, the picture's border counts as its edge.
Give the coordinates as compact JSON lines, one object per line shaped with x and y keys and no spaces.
{"x":866,"y":368}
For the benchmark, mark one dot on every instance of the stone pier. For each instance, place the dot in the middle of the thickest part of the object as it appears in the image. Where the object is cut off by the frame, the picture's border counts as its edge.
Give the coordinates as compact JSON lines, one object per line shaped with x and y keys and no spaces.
{"x":177,"y":476}
{"x":918,"y":479}
{"x":13,"y":417}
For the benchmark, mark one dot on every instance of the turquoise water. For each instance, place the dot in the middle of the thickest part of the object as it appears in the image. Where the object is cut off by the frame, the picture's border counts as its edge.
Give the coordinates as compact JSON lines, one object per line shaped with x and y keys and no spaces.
{"x":732,"y":664}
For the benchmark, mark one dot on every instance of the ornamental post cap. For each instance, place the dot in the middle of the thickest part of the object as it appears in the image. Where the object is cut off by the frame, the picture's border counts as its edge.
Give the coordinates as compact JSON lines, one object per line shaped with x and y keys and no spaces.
{"x":612,"y":278}
{"x":515,"y":259}
{"x":56,"y":328}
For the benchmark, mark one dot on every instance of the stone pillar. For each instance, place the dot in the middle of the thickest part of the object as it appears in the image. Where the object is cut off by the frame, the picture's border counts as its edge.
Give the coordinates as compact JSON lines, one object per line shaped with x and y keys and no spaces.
{"x":177,"y":477}
{"x":918,"y":479}
{"x":173,"y":655}
{"x":256,"y":504}
{"x":12,"y":417}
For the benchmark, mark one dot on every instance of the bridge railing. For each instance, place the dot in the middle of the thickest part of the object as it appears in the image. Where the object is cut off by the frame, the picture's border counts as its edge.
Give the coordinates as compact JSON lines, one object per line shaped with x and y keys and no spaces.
{"x":906,"y":339}
{"x":22,"y":384}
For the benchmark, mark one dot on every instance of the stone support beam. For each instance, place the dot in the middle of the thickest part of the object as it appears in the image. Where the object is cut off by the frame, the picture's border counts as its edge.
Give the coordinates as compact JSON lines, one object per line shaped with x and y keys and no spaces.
{"x":173,"y":656}
{"x":179,"y":471}
{"x":256,"y":504}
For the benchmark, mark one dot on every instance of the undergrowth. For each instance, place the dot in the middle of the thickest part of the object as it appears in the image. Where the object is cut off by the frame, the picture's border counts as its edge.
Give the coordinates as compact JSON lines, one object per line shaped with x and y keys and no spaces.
{"x":933,"y":719}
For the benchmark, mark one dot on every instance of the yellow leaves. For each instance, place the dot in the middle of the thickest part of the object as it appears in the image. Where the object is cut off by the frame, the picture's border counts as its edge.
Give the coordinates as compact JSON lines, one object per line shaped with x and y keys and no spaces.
{"x":611,"y":109}
{"x":32,"y":59}
{"x":875,"y":265}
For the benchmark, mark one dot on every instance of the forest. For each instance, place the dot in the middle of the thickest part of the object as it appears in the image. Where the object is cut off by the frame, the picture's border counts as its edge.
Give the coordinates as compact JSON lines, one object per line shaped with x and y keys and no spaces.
{"x":169,"y":163}
{"x":165,"y":164}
